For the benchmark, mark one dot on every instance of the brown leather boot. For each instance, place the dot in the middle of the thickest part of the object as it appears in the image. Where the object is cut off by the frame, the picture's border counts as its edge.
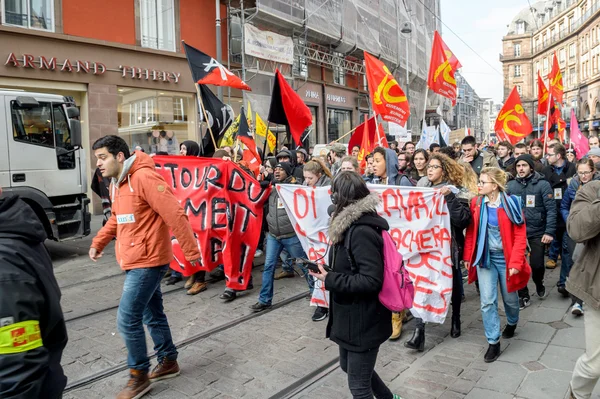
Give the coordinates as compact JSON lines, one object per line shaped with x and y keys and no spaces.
{"x":137,"y":386}
{"x":165,"y":369}
{"x":190,"y":282}
{"x":397,"y":319}
{"x":197,"y":288}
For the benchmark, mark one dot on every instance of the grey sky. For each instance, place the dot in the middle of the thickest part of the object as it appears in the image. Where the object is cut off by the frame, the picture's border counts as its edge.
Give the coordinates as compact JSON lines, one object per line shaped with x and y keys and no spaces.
{"x":481,"y":24}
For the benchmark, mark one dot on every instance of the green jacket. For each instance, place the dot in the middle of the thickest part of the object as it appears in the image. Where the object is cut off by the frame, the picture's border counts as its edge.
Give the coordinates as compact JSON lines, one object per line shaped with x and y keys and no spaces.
{"x":583,"y":226}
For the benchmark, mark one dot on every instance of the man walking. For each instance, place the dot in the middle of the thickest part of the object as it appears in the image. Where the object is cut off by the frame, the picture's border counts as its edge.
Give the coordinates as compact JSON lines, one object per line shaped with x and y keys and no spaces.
{"x":144,"y":210}
{"x":32,"y":327}
{"x":505,"y":155}
{"x":477,"y":158}
{"x":540,"y":214}
{"x":583,"y":225}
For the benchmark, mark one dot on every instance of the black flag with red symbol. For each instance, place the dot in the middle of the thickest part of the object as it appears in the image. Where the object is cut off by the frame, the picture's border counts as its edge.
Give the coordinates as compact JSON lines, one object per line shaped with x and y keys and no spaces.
{"x":245,"y":135}
{"x":208,"y":71}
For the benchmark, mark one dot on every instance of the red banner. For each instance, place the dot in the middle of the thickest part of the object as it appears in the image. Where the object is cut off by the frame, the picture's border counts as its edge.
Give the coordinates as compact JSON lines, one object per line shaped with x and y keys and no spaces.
{"x":225,"y":207}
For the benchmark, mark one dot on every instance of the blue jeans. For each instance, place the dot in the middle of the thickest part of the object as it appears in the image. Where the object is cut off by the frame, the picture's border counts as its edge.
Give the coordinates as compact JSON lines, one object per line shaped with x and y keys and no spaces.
{"x":274,"y":247}
{"x":141,"y":302}
{"x":488,"y":288}
{"x":287,"y":263}
{"x":566,"y":260}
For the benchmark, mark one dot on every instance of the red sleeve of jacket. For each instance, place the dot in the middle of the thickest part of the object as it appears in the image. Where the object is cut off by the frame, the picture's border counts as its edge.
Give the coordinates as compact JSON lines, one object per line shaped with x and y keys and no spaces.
{"x":106,"y":234}
{"x":517,"y":255}
{"x":161,"y":199}
{"x":470,"y":238}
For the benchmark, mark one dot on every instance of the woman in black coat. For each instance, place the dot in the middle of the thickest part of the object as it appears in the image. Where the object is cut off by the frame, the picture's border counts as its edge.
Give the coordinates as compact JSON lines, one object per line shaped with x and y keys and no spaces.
{"x":358,"y":322}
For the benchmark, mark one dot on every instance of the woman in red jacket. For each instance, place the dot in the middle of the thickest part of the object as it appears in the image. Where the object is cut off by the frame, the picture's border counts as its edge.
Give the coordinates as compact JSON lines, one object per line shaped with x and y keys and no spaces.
{"x":495,"y":246}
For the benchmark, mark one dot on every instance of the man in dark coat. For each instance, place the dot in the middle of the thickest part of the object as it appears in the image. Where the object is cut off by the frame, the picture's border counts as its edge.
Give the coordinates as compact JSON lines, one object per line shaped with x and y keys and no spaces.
{"x":32,"y":327}
{"x":540,"y":218}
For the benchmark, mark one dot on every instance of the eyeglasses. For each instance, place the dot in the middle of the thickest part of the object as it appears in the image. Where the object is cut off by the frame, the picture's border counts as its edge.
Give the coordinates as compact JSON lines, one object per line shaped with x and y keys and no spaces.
{"x":483,"y":183}
{"x":434,"y":167}
{"x":584,"y":173}
{"x":550,"y":155}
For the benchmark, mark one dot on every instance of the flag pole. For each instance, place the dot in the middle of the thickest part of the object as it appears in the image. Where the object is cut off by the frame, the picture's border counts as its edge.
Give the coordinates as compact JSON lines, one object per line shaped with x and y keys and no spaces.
{"x":424,"y":107}
{"x":547,"y":120}
{"x":341,"y":137}
{"x":205,"y":115}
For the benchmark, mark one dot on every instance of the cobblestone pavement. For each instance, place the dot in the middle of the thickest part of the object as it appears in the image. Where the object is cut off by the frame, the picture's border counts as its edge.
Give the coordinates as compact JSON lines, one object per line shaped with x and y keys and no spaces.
{"x":262,"y":356}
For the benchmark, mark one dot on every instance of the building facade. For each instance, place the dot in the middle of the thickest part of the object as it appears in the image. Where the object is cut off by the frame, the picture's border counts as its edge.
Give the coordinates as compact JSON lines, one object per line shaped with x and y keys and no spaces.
{"x":468,"y":112}
{"x":571,"y":30}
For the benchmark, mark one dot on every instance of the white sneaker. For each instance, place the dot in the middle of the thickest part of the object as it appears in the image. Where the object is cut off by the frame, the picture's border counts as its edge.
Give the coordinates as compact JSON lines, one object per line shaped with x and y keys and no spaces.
{"x":258,"y":253}
{"x":577,"y":310}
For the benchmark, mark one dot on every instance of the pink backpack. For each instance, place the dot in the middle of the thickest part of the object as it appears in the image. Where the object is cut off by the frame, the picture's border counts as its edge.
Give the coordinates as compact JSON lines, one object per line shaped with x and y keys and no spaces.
{"x":398,"y":291}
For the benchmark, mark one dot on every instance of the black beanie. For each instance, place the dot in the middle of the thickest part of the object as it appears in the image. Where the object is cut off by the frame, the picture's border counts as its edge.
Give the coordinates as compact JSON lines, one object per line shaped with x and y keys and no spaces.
{"x":527,"y":158}
{"x":285,"y":166}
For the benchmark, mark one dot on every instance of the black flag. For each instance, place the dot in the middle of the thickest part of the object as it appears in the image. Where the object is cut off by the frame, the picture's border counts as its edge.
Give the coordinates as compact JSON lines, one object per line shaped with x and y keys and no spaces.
{"x":220,"y":117}
{"x":206,"y":70}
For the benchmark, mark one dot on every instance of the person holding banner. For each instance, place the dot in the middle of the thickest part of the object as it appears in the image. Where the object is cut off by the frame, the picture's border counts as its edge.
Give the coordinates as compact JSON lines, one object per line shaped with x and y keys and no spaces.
{"x":281,"y":236}
{"x":495,"y":247}
{"x":359,"y":323}
{"x":446,"y":175}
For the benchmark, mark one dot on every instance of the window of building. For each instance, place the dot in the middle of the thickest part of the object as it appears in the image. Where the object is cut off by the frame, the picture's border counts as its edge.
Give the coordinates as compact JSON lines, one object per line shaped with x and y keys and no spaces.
{"x":519,"y":90}
{"x":544,"y":39}
{"x":338,"y":123}
{"x":517,"y":70}
{"x":552,"y":32}
{"x":545,"y":65}
{"x":537,"y":67}
{"x":156,"y":121}
{"x":158,"y":24}
{"x":571,"y":23}
{"x":562,"y":54}
{"x":571,"y":77}
{"x":520,"y":27}
{"x":517,"y":49}
{"x":572,"y":50}
{"x":561,"y":29}
{"x":32,"y":14}
{"x":594,"y":64}
{"x":339,"y":73}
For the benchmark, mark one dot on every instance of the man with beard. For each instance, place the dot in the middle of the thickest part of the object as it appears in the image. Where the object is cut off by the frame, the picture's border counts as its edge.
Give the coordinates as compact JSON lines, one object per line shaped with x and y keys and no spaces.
{"x":505,"y":157}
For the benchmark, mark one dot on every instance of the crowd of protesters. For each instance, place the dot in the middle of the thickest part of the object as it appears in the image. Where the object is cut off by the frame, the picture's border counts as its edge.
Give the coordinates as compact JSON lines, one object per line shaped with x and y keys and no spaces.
{"x":509,"y":207}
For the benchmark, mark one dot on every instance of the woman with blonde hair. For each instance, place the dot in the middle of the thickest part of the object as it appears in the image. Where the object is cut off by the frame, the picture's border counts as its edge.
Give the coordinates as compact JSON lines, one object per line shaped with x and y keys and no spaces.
{"x":469,"y":178}
{"x":316,"y":173}
{"x":495,"y":247}
{"x":443,"y":172}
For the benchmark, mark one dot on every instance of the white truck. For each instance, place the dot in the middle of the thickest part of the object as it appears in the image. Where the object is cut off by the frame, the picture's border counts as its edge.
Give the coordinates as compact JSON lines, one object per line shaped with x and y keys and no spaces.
{"x":42,"y":161}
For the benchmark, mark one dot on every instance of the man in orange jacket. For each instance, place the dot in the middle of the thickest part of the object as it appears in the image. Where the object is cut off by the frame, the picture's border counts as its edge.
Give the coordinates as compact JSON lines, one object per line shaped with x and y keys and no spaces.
{"x":144,"y":209}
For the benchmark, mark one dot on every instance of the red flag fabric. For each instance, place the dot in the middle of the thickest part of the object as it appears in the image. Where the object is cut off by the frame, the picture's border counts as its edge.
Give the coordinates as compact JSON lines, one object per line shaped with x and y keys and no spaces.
{"x":224,"y":205}
{"x":357,"y":137}
{"x":287,"y":108}
{"x":366,"y":146}
{"x":579,"y":141}
{"x":556,"y":81}
{"x":512,"y":123}
{"x":442,"y":67}
{"x":381,"y":140}
{"x":543,"y":96}
{"x":208,"y":71}
{"x":387,"y":97}
{"x":245,"y":136}
{"x":558,"y":123}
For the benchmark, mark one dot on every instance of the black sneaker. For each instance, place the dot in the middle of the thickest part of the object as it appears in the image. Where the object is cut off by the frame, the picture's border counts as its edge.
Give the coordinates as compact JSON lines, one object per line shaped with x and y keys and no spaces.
{"x":173,"y":280}
{"x":228,"y":295}
{"x":563,"y":291}
{"x":320,"y":314}
{"x":509,"y":331}
{"x":543,"y":293}
{"x":259,"y":307}
{"x":217,"y":275}
{"x":493,"y":353}
{"x":524,"y":302}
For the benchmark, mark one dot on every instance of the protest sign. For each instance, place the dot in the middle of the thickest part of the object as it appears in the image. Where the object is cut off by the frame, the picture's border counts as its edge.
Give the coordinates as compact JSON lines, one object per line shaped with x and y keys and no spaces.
{"x":225,"y":207}
{"x":419,"y":224}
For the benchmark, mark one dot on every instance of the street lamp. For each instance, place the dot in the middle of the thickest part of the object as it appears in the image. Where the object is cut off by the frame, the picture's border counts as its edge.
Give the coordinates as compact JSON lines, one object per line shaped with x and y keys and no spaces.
{"x":407,"y":30}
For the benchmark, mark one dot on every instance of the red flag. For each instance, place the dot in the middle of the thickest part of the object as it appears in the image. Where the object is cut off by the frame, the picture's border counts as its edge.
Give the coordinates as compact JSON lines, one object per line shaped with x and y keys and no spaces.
{"x":579,"y":141}
{"x":366,"y":145}
{"x":357,"y":136}
{"x":512,"y":123}
{"x":387,"y":97}
{"x":561,"y":125}
{"x":543,"y":95}
{"x":246,"y":137}
{"x":556,"y":82}
{"x":287,"y":108}
{"x":381,"y":139}
{"x":208,"y":71}
{"x":442,"y":67}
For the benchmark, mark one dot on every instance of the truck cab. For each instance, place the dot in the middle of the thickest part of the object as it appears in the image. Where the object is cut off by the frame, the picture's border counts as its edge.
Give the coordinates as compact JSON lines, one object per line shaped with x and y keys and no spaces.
{"x":42,"y":160}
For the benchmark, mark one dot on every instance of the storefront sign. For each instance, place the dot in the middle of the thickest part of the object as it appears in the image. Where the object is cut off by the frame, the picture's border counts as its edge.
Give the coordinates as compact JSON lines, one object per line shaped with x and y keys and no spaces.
{"x":89,"y":67}
{"x":268,"y":45}
{"x":52,"y":64}
{"x":336,"y":99}
{"x":149,"y":74}
{"x":312,"y":94}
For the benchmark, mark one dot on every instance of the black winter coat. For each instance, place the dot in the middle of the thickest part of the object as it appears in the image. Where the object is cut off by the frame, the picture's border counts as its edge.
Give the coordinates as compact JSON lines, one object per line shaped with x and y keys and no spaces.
{"x":540,"y":214}
{"x":559,"y":182}
{"x":29,"y":292}
{"x":357,"y":320}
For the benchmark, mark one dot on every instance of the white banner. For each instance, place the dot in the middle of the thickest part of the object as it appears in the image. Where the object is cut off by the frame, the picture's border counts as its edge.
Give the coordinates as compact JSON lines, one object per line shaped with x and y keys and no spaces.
{"x":401,"y":133}
{"x":268,"y":45}
{"x":419,"y":224}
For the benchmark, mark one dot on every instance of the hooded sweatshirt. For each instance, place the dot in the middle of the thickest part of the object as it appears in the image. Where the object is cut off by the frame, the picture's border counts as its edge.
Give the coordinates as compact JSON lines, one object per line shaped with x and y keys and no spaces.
{"x":391,"y":166}
{"x":144,"y":212}
{"x":29,"y":294}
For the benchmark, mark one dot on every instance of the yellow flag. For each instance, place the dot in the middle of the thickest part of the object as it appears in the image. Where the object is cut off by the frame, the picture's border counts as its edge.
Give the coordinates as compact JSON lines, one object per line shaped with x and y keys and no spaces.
{"x":261,"y":127}
{"x":228,"y":137}
{"x":249,"y":113}
{"x":272,"y":140}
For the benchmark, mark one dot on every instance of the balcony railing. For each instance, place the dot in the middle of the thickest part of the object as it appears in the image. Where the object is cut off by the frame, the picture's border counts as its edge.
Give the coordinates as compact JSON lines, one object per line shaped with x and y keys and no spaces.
{"x":513,"y":56}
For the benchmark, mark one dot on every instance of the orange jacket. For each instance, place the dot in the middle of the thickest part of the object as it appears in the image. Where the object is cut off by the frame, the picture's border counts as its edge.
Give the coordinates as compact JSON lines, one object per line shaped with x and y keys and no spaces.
{"x":143,"y":210}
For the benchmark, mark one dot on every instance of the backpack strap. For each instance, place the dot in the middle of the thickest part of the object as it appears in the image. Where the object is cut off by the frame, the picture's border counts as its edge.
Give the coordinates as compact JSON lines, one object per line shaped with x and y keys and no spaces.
{"x":353,"y":266}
